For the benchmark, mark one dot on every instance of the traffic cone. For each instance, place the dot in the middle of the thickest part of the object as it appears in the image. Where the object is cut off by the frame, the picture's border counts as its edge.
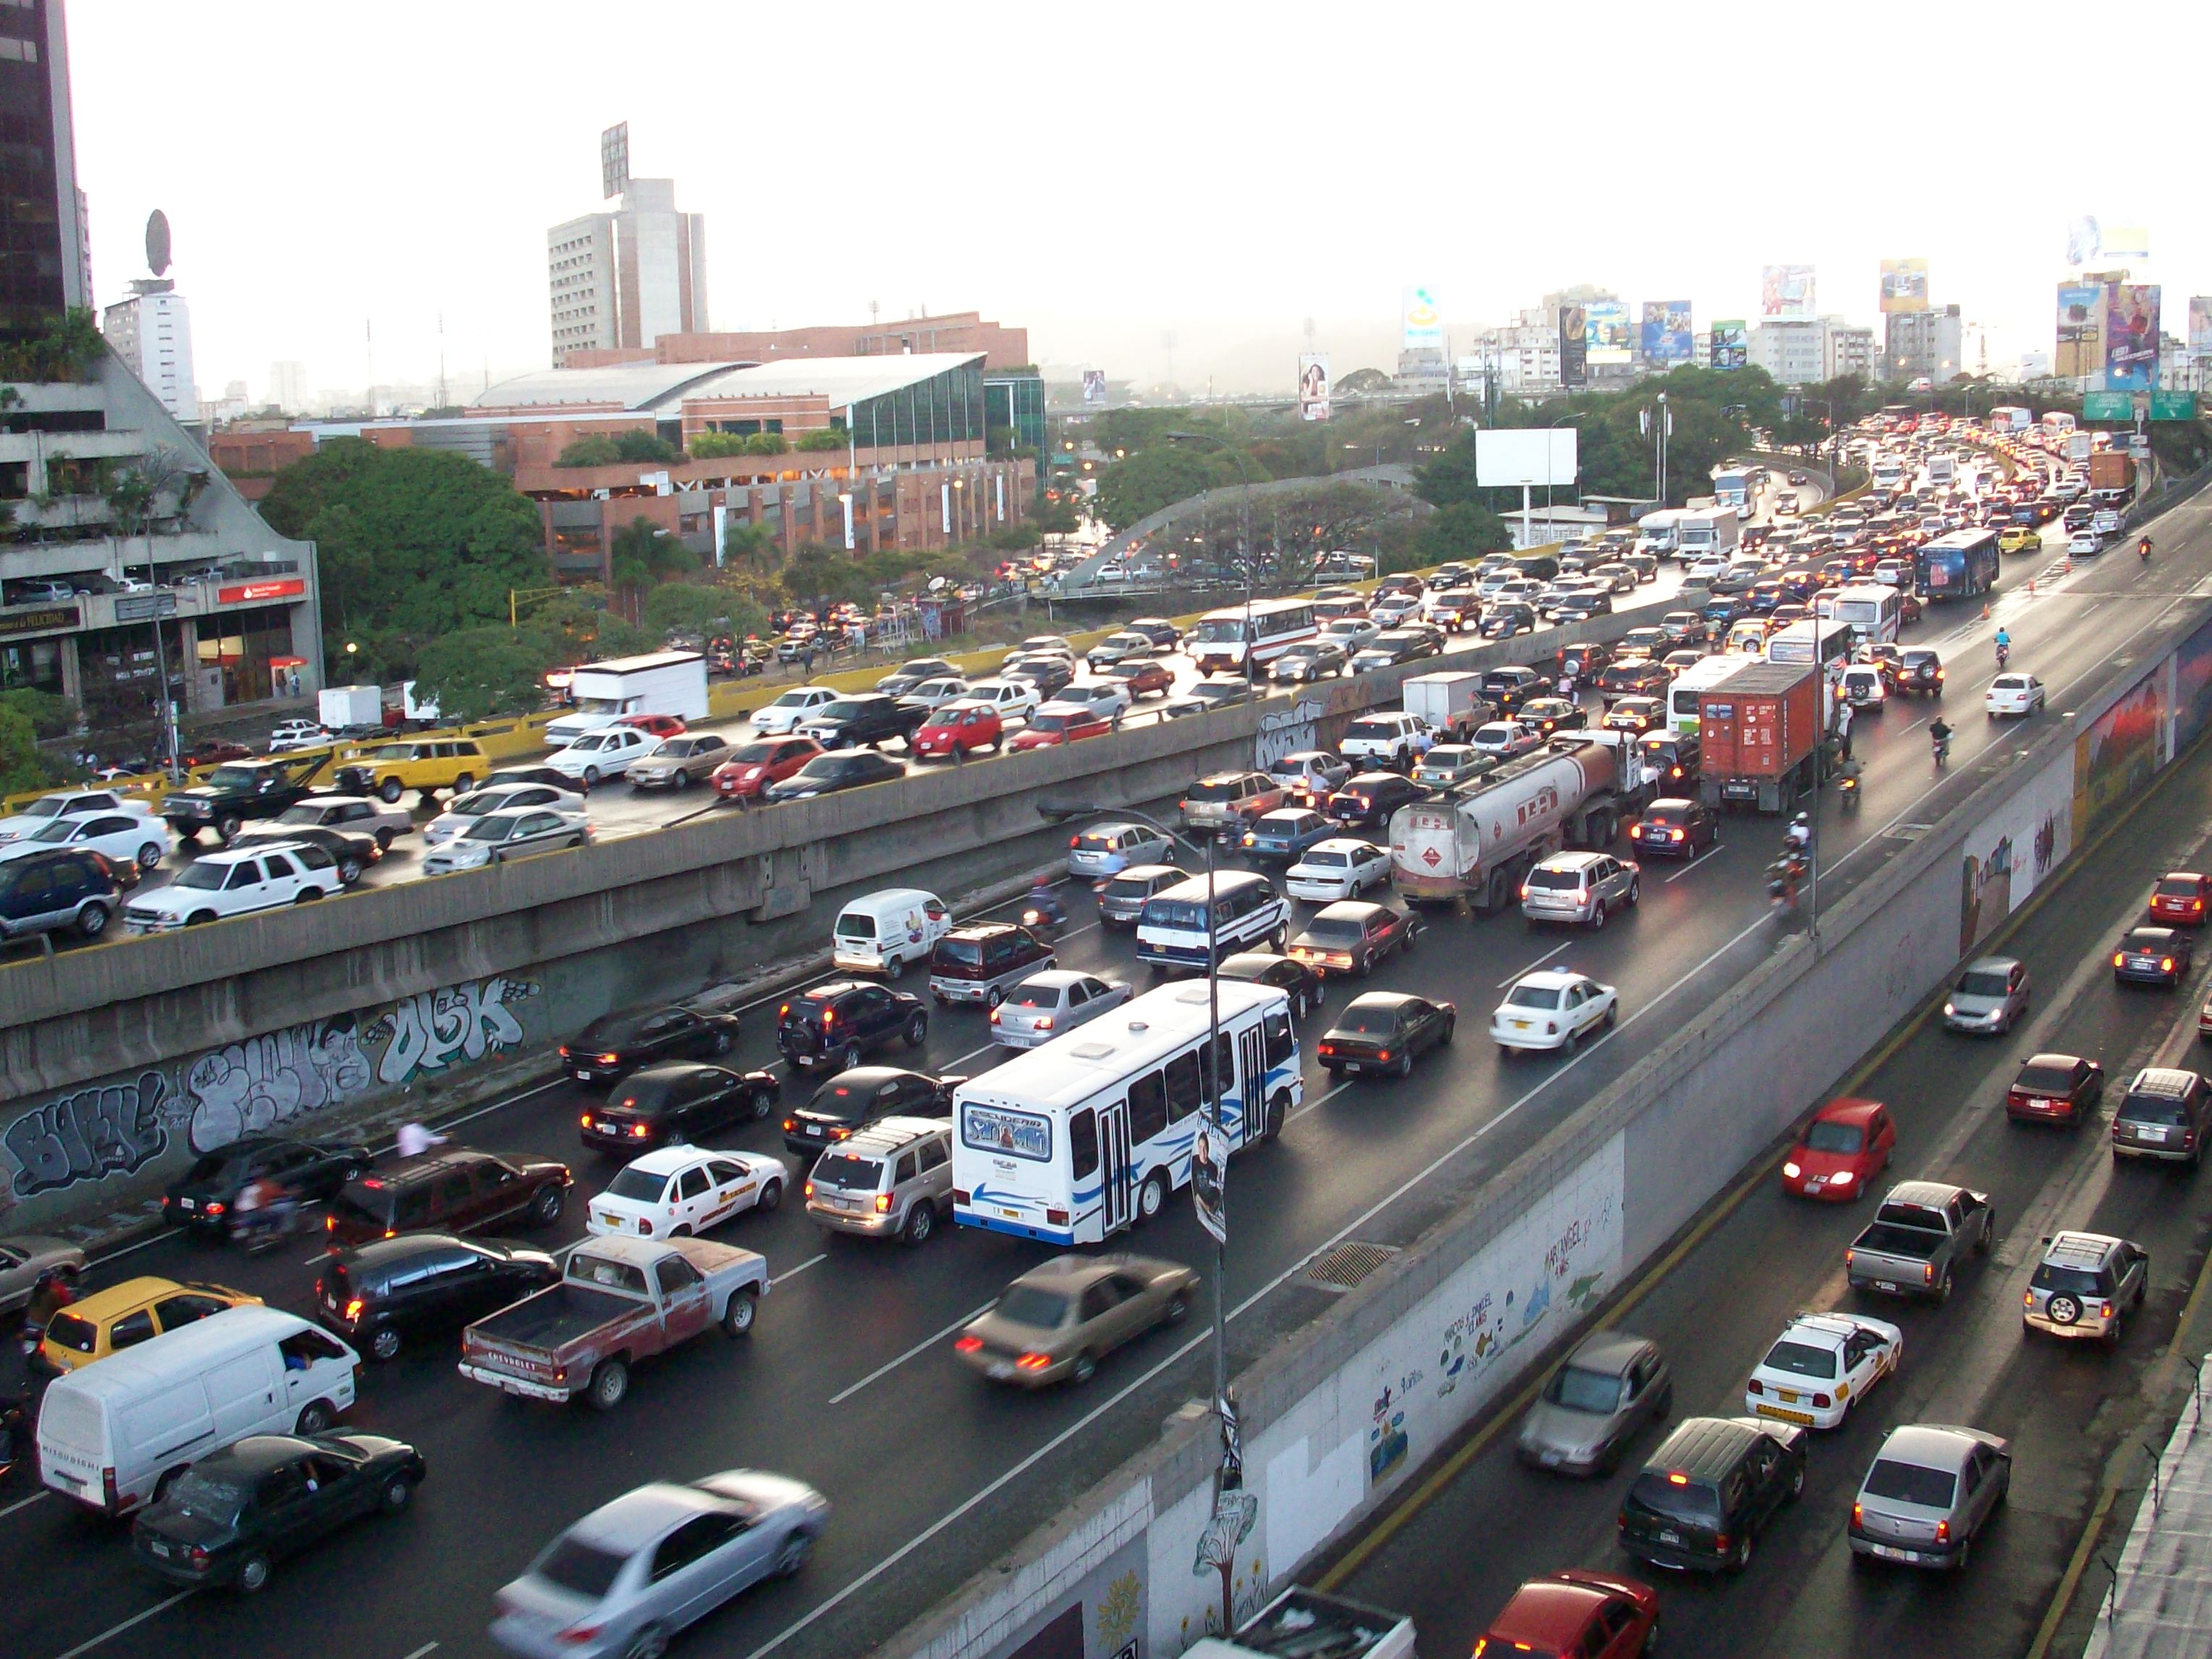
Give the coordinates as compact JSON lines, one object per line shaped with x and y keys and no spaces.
{"x":1985,"y":609}
{"x":2031,"y":584}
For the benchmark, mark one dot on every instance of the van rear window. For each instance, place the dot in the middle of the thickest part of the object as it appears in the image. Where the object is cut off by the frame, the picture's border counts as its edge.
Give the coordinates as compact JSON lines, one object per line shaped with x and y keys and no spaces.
{"x":1696,"y":1502}
{"x":370,"y":1204}
{"x":960,"y":953}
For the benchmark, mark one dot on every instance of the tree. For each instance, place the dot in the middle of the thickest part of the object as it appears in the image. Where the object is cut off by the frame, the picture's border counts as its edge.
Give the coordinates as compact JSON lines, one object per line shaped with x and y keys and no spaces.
{"x":479,"y":673}
{"x":1015,"y":537}
{"x":634,"y":445}
{"x":643,"y":553}
{"x":20,"y":767}
{"x":49,"y":715}
{"x":750,"y":548}
{"x":819,"y":575}
{"x":1059,"y":519}
{"x":1464,"y":530}
{"x":1159,"y":477}
{"x":696,"y":609}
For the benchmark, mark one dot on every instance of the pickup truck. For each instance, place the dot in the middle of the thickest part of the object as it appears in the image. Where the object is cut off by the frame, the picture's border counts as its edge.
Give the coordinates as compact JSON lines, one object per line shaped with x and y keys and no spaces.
{"x":1916,"y":1238}
{"x":620,"y":1300}
{"x":232,"y":793}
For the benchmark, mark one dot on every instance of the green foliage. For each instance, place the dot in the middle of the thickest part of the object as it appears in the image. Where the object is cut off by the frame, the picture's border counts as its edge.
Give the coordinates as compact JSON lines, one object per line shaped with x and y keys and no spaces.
{"x":1157,"y":477}
{"x":768,"y":443}
{"x":49,"y":715}
{"x":411,"y":544}
{"x":819,"y":575}
{"x":636,"y":446}
{"x":1059,"y":519}
{"x":823,"y":439}
{"x":1464,"y":530}
{"x":20,"y":767}
{"x":694,"y":608}
{"x":479,"y":673}
{"x":750,"y":548}
{"x":714,"y":446}
{"x":643,"y":553}
{"x":69,"y":350}
{"x":1015,"y":537}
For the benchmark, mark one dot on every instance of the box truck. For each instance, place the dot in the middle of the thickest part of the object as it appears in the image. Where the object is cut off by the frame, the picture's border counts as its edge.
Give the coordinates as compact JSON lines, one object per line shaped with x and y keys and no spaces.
{"x":1708,"y":531}
{"x":1451,"y":702}
{"x":664,"y":682}
{"x":2110,"y":470}
{"x":1760,"y":733}
{"x":350,"y":707}
{"x":1474,"y":842}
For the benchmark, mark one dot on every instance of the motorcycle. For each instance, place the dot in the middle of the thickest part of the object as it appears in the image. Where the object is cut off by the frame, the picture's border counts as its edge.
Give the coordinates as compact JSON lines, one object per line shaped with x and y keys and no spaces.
{"x":1942,"y":753}
{"x":2004,"y":656}
{"x":2143,"y":549}
{"x":1041,"y":922}
{"x":1847,"y":792}
{"x":1783,"y":878}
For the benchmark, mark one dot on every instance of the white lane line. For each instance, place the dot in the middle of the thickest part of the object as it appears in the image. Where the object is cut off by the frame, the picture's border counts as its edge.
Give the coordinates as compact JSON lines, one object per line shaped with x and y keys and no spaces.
{"x":793,"y":1273}
{"x":21,"y":1503}
{"x":1693,"y":863}
{"x":1322,"y":1100}
{"x":136,"y":1620}
{"x":425,"y":1651}
{"x":960,"y":1059}
{"x":1534,"y":965}
{"x":501,"y":1104}
{"x":926,"y":1343}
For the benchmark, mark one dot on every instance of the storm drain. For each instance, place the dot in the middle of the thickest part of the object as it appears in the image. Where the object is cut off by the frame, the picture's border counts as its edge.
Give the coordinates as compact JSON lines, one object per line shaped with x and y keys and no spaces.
{"x":1343,"y":1266}
{"x":1908,"y":831}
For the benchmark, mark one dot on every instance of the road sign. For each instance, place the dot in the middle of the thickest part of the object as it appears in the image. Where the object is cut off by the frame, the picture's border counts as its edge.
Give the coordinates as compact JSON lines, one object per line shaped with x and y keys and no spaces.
{"x":2132,"y":405}
{"x":144,"y":607}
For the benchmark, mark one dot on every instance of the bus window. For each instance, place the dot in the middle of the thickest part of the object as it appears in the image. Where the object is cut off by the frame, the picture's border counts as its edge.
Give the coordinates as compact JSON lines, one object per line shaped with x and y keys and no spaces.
{"x":1281,"y":1044}
{"x":1148,"y":1107}
{"x":1082,"y":1143}
{"x":1183,"y":1097}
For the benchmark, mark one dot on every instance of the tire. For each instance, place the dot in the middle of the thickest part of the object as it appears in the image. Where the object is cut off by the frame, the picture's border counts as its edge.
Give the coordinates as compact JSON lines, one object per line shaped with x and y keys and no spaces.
{"x":609,"y":1385}
{"x":384,"y":841}
{"x":1612,"y":1014}
{"x":917,"y":1029}
{"x":308,"y":896}
{"x":1405,"y":1066}
{"x":1366,"y":966}
{"x":763,"y":1105}
{"x":226,"y":828}
{"x":1635,"y":898}
{"x":464,"y":783}
{"x":1278,"y":1115}
{"x":1085,"y":1368}
{"x":150,"y":855}
{"x":2114,"y":1332}
{"x":770,"y":1196}
{"x":682,"y":779}
{"x":91,"y":921}
{"x":1966,"y":1549}
{"x":993,"y":997}
{"x":385,"y":1344}
{"x":1450,"y":1026}
{"x":1740,"y":1557}
{"x":683,"y":1229}
{"x":850,"y":1057}
{"x":1651,"y":1638}
{"x":1943,"y":1288}
{"x":792,"y":1557}
{"x":546,"y":1208}
{"x":398,"y":1493}
{"x":389,"y":792}
{"x":921,"y":1223}
{"x":199,"y":917}
{"x":1177,"y":1310}
{"x":591,"y":777}
{"x":349,"y":871}
{"x":1411,"y":934}
{"x":650,"y":1643}
{"x":1597,"y":916}
{"x":739,"y":1313}
{"x":314,"y":1418}
{"x":252,"y":1574}
{"x":722,"y":1043}
{"x":1152,"y":1196}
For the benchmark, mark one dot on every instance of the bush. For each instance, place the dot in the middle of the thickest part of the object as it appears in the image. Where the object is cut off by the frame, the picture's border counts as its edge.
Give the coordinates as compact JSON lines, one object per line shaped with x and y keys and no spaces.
{"x":714,"y":446}
{"x":620,"y":449}
{"x":69,"y":350}
{"x":49,"y":715}
{"x":822,"y":440}
{"x":766,"y":443}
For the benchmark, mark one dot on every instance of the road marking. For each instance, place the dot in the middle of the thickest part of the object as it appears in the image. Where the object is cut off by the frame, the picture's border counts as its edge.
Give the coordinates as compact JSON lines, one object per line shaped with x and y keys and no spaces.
{"x":1534,"y":965}
{"x":1693,"y":863}
{"x":927,"y":1342}
{"x":793,"y":1273}
{"x":1322,"y":1101}
{"x":136,"y":1620}
{"x":21,"y":1503}
{"x":426,"y":1648}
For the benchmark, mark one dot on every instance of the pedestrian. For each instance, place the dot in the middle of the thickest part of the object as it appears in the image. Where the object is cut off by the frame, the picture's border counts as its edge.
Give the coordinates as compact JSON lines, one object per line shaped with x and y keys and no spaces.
{"x":807,"y":658}
{"x":415,"y":1140}
{"x":1843,"y":727}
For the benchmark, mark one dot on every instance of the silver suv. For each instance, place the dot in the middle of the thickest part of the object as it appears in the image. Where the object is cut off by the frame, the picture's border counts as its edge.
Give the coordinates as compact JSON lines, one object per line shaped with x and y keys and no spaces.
{"x":2085,"y":1285}
{"x":1580,"y":887}
{"x":891,"y":1179}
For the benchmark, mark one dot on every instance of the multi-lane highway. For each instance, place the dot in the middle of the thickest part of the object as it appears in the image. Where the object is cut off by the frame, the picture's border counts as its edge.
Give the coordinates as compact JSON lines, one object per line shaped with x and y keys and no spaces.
{"x":848,"y":1383}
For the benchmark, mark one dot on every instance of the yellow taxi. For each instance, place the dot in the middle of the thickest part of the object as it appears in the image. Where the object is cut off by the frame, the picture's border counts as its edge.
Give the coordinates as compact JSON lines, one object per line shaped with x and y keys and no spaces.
{"x":123,"y":1316}
{"x":388,"y":770}
{"x":2018,"y":539}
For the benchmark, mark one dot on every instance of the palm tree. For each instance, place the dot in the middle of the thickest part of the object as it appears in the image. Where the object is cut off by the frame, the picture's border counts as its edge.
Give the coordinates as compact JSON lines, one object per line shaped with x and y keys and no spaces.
{"x":643,"y":553}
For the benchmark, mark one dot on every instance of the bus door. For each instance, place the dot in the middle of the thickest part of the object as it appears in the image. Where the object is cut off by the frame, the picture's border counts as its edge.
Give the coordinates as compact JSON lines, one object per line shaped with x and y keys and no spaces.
{"x":1113,"y":1168}
{"x":1252,"y":1067}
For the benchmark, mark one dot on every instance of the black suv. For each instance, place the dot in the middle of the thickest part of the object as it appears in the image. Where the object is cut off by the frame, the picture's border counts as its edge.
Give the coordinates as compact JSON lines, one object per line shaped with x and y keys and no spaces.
{"x":71,"y":887}
{"x":852,"y":1100}
{"x":1506,"y":688}
{"x":455,"y":1190}
{"x":682,"y":1100}
{"x":1714,"y":1483}
{"x":236,"y":793}
{"x":865,"y":718}
{"x":825,"y":775}
{"x":1919,"y":669}
{"x":614,"y":1045}
{"x":311,"y":1171}
{"x":830,"y":1027}
{"x":382,"y":1295}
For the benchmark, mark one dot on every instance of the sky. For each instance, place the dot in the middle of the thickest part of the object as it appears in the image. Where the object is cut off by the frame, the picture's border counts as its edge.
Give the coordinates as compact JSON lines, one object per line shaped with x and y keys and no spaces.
{"x":1147,"y":188}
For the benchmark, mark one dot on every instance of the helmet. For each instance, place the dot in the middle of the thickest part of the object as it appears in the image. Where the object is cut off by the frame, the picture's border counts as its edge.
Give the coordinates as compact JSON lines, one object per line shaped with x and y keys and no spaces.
{"x":1802,"y":821}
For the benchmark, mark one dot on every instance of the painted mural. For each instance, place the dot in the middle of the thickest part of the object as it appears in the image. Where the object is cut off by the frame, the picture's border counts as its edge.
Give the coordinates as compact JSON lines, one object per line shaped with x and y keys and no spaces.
{"x":2121,"y":751}
{"x":2015,"y":850}
{"x":2192,"y":685}
{"x":280,"y":1079}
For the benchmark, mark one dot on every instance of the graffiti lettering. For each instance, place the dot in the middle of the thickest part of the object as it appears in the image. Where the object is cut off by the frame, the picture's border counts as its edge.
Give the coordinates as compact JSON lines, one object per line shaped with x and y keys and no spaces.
{"x":429,"y":1031}
{"x":111,"y":1128}
{"x":262,"y":1084}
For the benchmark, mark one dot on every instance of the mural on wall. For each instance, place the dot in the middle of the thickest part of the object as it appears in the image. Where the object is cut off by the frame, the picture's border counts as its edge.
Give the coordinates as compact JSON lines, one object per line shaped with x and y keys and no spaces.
{"x":2014,"y":852}
{"x":2121,"y":751}
{"x":2192,"y":685}
{"x":1285,"y":730}
{"x":261,"y":1085}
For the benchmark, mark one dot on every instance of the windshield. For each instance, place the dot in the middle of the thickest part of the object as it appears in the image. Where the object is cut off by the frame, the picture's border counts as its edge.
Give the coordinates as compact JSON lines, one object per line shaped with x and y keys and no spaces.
{"x":2171,"y":889}
{"x":799,"y":699}
{"x":1025,"y":1304}
{"x":1219,"y":630}
{"x":2156,"y":1108}
{"x":842,"y":711}
{"x":1533,"y":996}
{"x":1982,"y":985}
{"x":498,"y":827}
{"x":240,"y":777}
{"x":1580,"y":1390}
{"x":1319,"y":861}
{"x":637,"y":1186}
{"x":1909,"y":1483}
{"x":210,"y":876}
{"x":848,"y":1173}
{"x":59,"y":830}
{"x":856,"y":925}
{"x":1843,"y":1138}
{"x":213,"y":1497}
{"x":1035,"y":996}
{"x":1216,"y":789}
{"x":1799,"y":1360}
{"x":578,"y":1568}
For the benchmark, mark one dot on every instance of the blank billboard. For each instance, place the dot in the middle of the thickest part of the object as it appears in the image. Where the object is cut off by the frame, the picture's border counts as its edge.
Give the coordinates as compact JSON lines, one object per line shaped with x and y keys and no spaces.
{"x":1525,"y":455}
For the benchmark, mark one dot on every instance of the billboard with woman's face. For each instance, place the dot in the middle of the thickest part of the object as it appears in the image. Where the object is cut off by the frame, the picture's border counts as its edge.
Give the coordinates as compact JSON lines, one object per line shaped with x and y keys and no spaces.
{"x":2131,"y":336}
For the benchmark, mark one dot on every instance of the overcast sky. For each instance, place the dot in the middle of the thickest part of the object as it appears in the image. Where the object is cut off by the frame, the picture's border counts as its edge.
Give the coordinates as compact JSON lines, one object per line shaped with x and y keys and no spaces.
{"x":1111,"y":177}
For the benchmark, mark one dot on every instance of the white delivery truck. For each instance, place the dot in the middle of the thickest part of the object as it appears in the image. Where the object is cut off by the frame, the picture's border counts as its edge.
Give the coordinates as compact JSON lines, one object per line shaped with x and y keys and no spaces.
{"x":1708,"y":531}
{"x":349,"y":708}
{"x":665,"y":682}
{"x":1474,"y":842}
{"x":1655,"y":531}
{"x":1304,"y":1624}
{"x":1942,"y":468}
{"x":1450,"y":702}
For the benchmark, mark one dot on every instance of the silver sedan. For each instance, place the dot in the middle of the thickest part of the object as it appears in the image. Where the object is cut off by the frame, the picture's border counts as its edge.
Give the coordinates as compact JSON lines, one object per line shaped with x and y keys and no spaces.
{"x":505,"y":835}
{"x":1611,"y":1386}
{"x":23,"y":1258}
{"x":1045,"y":1004}
{"x":1932,"y":1487}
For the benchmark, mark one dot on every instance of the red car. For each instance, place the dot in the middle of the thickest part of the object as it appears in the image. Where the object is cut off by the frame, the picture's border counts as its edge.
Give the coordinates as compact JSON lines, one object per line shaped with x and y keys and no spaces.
{"x":1143,"y":675}
{"x":1059,"y":723}
{"x":1847,"y":1144}
{"x":958,"y":727}
{"x":2055,"y":1089}
{"x":1591,"y":1615}
{"x":655,"y":726}
{"x":753,"y":766}
{"x":2178,"y":898}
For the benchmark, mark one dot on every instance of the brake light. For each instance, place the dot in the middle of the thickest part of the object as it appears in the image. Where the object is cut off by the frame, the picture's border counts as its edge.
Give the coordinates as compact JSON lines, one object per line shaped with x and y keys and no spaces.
{"x":1075,"y":840}
{"x":883,"y":1203}
{"x":2118,"y":960}
{"x":790,"y":1125}
{"x":1043,"y":1025}
{"x":109,"y":1496}
{"x":1677,"y":1480}
{"x":578,"y":1634}
{"x":994,"y":1017}
{"x":967,"y":1344}
{"x":828,"y":1018}
{"x":329,"y":1224}
{"x":1849,"y":1257}
{"x":840,"y":1134}
{"x":217,"y":1208}
{"x":783,"y":1011}
{"x":1858,"y":1513}
{"x":585,"y":1119}
{"x":1942,"y":1531}
{"x":564,"y":1051}
{"x":1034,"y":1362}
{"x":639,"y":1131}
{"x":1928,"y":1274}
{"x":2166,"y":964}
{"x":1754,"y":1387}
{"x":1721,"y":1542}
{"x":353,"y":1310}
{"x":1822,"y":1401}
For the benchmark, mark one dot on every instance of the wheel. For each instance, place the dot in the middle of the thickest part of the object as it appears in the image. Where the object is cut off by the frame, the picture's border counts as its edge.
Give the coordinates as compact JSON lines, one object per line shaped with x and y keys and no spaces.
{"x":1651,"y":1638}
{"x":389,"y":792}
{"x":150,"y":855}
{"x":1597,"y":916}
{"x":793,"y":1556}
{"x":737,"y":1316}
{"x":2114,"y":1331}
{"x":398,"y":1493}
{"x":1635,"y":898}
{"x":226,"y":828}
{"x":1405,"y":1066}
{"x":1943,"y":1287}
{"x":763,"y":1102}
{"x":1366,"y":966}
{"x":198,"y":917}
{"x":682,"y":779}
{"x":683,"y":1229}
{"x":464,"y":783}
{"x":650,"y":1642}
{"x":993,"y":997}
{"x":348,"y":871}
{"x":1797,"y":1482}
{"x":384,"y":841}
{"x":850,"y":1056}
{"x":770,"y":1196}
{"x":921,"y":1222}
{"x":384,"y":1344}
{"x":253,"y":1573}
{"x":1153,"y":1196}
{"x":610,"y":1383}
{"x":1740,"y":1557}
{"x":1082,"y":1369}
{"x":91,"y":921}
{"x":1411,"y":934}
{"x":1611,"y":1013}
{"x":1450,"y":1026}
{"x":546,"y":1208}
{"x":917,"y":1029}
{"x":308,"y":896}
{"x":1278,"y":1115}
{"x":591,"y":777}
{"x":1178,"y":1309}
{"x":314,"y":1418}
{"x":1280,"y":938}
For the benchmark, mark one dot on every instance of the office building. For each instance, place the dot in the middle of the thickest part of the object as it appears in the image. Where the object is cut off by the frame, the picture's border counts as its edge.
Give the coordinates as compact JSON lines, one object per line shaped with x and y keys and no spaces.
{"x":1923,"y":344}
{"x":1807,"y":350}
{"x":45,"y":268}
{"x":620,"y":281}
{"x":152,"y":332}
{"x":1850,"y":350}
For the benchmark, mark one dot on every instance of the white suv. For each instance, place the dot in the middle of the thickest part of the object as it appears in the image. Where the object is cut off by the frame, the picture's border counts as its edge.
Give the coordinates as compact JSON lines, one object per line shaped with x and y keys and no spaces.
{"x":1388,"y":738}
{"x":232,"y":883}
{"x":1008,"y":697}
{"x":606,"y":754}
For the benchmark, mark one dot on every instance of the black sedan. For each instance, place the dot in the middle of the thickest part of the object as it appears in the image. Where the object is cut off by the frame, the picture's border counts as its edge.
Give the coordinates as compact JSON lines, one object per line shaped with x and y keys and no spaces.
{"x":676,"y":1102}
{"x":380,"y":1296}
{"x":1504,"y":621}
{"x":852,"y":1100}
{"x":825,"y":775}
{"x":1367,"y":800}
{"x":614,"y":1045}
{"x":903,"y":679}
{"x":1550,"y":715}
{"x":1351,"y":935}
{"x":1206,"y":696}
{"x":1382,"y":1032}
{"x":228,"y":1518}
{"x":2153,"y":956}
{"x":1296,"y":980}
{"x":311,"y":1170}
{"x":1051,"y":674}
{"x":1675,"y":827}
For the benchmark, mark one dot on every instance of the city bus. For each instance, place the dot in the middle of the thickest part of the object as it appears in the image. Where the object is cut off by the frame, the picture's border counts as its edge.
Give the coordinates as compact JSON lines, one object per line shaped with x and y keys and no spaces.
{"x":1682,"y":715}
{"x":1246,"y":638}
{"x":1071,"y":1142}
{"x":1828,"y":644}
{"x":1888,"y":472}
{"x":1958,"y":565}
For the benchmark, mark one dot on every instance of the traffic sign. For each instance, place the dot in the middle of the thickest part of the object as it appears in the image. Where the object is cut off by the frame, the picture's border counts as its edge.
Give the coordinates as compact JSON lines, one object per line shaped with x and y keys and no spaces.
{"x":2136,"y":406}
{"x":144,"y":607}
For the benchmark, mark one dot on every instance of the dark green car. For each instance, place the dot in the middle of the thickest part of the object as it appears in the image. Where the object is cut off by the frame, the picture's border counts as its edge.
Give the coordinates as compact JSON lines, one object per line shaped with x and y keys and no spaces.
{"x":230,"y":1517}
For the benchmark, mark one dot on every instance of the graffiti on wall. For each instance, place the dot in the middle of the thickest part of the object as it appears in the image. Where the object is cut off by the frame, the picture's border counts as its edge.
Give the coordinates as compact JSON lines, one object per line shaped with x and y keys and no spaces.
{"x":2014,"y":851}
{"x":257,"y":1086}
{"x":1285,"y":730}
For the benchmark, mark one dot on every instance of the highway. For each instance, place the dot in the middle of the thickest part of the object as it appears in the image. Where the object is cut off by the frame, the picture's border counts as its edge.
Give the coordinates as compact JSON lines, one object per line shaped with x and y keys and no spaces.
{"x":847,"y":1381}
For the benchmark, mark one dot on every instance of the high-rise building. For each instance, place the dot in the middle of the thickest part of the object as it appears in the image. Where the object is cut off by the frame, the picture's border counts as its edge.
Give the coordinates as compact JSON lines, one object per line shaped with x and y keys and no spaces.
{"x":1850,"y":349}
{"x":44,"y":266}
{"x":288,"y":386}
{"x":152,"y":332}
{"x":625,"y":279}
{"x":1792,"y":349}
{"x":1923,"y":344}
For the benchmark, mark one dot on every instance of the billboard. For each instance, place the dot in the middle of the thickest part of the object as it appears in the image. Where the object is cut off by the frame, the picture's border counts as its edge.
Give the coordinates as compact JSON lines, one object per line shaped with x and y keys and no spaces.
{"x":1731,"y":347}
{"x":1313,"y":386}
{"x":2200,"y":325}
{"x":1904,"y":285}
{"x":1605,"y":332}
{"x":2131,"y":336}
{"x":1574,"y":346}
{"x":1094,"y":385}
{"x":2081,"y":330}
{"x":1786,"y":291}
{"x":1667,"y":335}
{"x":1512,"y":457}
{"x":1423,"y":322}
{"x":2125,"y":242}
{"x":614,"y":159}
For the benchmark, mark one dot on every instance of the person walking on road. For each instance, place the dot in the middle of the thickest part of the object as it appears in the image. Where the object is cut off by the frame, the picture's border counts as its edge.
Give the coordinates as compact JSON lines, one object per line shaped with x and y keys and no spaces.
{"x":1843,"y":727}
{"x":415,"y":1140}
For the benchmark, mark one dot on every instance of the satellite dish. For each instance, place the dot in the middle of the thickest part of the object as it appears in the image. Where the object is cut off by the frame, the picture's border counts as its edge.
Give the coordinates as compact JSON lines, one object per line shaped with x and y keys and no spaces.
{"x":157,"y":241}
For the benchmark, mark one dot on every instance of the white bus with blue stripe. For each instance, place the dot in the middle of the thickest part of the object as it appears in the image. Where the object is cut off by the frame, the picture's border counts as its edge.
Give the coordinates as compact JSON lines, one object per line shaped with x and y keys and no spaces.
{"x":1071,"y":1142}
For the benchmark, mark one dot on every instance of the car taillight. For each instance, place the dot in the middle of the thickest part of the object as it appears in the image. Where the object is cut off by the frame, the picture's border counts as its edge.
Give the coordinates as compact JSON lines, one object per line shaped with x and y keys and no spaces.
{"x":967,"y":1344}
{"x":959,"y":1196}
{"x":644,"y":1228}
{"x":1754,"y":1387}
{"x":1822,"y":1401}
{"x":1858,"y":1513}
{"x":609,"y":1059}
{"x":1942,"y":1531}
{"x":883,"y":1203}
{"x":564,"y":1051}
{"x":791,"y":1126}
{"x":1849,"y":1257}
{"x":2166,"y":964}
{"x":353,"y":1310}
{"x":1044,"y":1024}
{"x":994,"y":1017}
{"x":109,"y":1496}
{"x":584,"y":1120}
{"x":2118,"y":959}
{"x":639,"y":1131}
{"x":1075,"y":840}
{"x":1034,"y":1362}
{"x":840,"y":1134}
{"x":1928,"y":1274}
{"x":578,"y":1634}
{"x":217,"y":1208}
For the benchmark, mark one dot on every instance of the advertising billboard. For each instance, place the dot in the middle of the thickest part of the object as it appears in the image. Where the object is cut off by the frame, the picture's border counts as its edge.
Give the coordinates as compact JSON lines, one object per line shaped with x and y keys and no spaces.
{"x":1904,"y":285}
{"x":2125,"y":242}
{"x":1605,"y":332}
{"x":2200,"y":325}
{"x":1313,"y":386}
{"x":1731,"y":347}
{"x":1424,"y":323}
{"x":2081,"y":330}
{"x":1094,"y":385}
{"x":1667,"y":334}
{"x":2131,"y":336}
{"x":1786,"y":291}
{"x":1513,"y":457}
{"x":1574,"y":346}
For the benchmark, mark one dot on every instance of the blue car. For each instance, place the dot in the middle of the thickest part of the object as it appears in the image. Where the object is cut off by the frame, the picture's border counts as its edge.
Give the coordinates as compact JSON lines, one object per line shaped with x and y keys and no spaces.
{"x":1286,"y":832}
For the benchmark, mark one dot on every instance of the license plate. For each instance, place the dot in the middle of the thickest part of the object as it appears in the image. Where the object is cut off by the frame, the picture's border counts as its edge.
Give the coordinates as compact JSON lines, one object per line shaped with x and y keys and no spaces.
{"x":1788,"y":1396}
{"x":1353,"y":1065}
{"x":1891,"y":1552}
{"x":1520,"y":1024}
{"x":2139,"y":962}
{"x":187,"y":1204}
{"x":2147,"y":1133}
{"x":159,"y":1548}
{"x":1010,"y":1215}
{"x":1885,"y":1285}
{"x":606,"y":1220}
{"x":1668,"y":1537}
{"x":1000,"y":1369}
{"x":330,"y":1301}
{"x":814,"y":1129}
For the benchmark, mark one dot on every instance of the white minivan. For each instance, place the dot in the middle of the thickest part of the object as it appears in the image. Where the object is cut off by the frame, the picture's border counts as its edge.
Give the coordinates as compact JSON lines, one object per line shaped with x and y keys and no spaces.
{"x":882,"y":932}
{"x":113,"y":1434}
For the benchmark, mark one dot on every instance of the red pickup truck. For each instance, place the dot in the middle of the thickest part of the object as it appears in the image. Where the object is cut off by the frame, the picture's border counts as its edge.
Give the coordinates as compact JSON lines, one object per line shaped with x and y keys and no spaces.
{"x":620,"y":1300}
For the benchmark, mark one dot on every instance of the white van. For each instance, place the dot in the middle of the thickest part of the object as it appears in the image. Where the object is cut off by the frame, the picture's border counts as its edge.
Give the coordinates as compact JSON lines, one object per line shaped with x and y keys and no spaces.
{"x":113,"y":1434}
{"x":882,"y":932}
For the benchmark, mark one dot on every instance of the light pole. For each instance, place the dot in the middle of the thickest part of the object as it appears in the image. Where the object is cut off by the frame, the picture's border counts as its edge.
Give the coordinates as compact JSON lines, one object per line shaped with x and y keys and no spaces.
{"x":1550,"y":426}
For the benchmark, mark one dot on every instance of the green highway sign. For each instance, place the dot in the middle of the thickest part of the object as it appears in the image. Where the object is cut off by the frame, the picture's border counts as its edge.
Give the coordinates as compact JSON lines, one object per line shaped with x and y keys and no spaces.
{"x":2123,"y":405}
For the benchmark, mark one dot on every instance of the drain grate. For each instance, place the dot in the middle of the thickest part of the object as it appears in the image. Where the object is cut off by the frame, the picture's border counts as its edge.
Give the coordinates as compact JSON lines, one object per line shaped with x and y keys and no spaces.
{"x":1342,"y":1267}
{"x":1909,"y":831}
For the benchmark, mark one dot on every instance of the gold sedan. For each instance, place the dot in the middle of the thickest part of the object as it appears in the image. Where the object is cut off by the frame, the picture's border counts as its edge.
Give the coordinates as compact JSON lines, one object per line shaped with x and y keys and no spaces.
{"x":1062,"y":1317}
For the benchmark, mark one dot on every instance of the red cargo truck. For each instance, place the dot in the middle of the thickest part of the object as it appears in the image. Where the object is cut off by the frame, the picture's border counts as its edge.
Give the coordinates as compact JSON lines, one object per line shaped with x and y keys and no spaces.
{"x":1760,"y":735}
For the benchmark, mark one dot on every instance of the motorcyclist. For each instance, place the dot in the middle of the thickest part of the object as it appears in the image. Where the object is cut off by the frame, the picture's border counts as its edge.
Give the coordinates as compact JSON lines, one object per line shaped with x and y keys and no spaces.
{"x":2143,"y":548}
{"x":49,"y":1296}
{"x":1939,"y":736}
{"x":1044,"y":899}
{"x":2004,"y":647}
{"x":1798,"y":837}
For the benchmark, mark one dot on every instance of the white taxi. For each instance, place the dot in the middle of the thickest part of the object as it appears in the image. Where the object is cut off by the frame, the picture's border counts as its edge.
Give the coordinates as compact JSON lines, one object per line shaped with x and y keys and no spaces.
{"x":2015,"y":693}
{"x":682,"y":1190}
{"x":1552,"y":1008}
{"x":1821,"y":1366}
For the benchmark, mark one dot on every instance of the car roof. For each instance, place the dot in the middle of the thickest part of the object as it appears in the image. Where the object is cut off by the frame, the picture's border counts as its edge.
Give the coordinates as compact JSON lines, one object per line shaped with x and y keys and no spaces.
{"x":2087,"y":1250}
{"x":1608,"y":1351}
{"x":641,"y":1515}
{"x":129,"y":1294}
{"x":1393,"y":1001}
{"x":892,"y":1134}
{"x":1703,"y":1447}
{"x":1846,"y":1109}
{"x":1991,"y":965}
{"x":1349,"y":910}
{"x":1547,"y":1613}
{"x":1555,"y":979}
{"x":258,"y":1454}
{"x":1931,"y":1445}
{"x":2162,"y":1080}
{"x":1581,"y":861}
{"x":1072,"y":1273}
{"x":1835,"y":1328}
{"x":669,"y":1159}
